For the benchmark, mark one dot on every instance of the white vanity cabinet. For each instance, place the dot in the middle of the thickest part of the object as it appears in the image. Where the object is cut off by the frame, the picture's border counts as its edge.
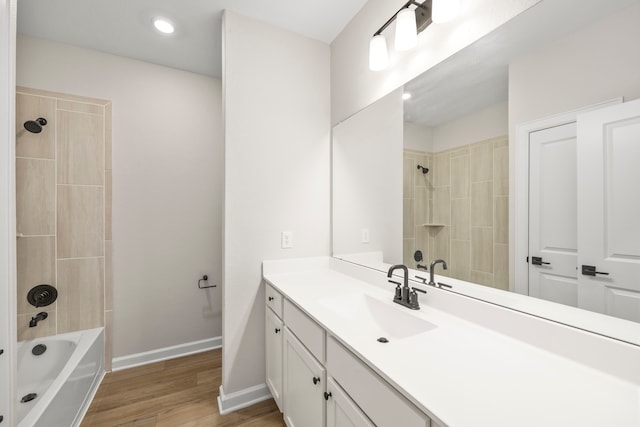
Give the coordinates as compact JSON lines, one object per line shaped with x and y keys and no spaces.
{"x":304,"y":385}
{"x":318,"y":382}
{"x":274,"y":332}
{"x":341,"y":410}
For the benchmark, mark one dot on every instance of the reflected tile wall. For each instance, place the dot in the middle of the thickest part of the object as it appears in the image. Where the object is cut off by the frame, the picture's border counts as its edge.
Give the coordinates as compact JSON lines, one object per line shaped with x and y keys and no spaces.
{"x":467,"y":196}
{"x":64,"y":172}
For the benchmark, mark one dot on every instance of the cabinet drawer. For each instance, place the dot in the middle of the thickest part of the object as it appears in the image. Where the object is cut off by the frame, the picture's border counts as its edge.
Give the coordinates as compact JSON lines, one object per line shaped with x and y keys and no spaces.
{"x":341,"y":411}
{"x":273,"y":299}
{"x":307,"y":331}
{"x":381,"y":402}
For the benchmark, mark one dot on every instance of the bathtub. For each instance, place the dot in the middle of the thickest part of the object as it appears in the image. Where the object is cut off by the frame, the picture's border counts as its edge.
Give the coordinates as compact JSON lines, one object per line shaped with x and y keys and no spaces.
{"x":58,"y":385}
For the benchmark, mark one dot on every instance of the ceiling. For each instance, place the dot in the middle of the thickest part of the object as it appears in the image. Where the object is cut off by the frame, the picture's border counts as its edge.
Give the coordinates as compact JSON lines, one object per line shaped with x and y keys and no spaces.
{"x":477,"y":76}
{"x":124,"y":27}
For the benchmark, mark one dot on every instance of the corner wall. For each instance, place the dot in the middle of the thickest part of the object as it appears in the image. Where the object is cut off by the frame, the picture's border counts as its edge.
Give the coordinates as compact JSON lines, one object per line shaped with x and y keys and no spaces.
{"x":167,"y":188}
{"x":277,"y":174}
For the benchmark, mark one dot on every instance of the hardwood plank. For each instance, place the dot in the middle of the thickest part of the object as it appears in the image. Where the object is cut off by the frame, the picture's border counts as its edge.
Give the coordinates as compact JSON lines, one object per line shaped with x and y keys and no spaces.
{"x":178,"y":392}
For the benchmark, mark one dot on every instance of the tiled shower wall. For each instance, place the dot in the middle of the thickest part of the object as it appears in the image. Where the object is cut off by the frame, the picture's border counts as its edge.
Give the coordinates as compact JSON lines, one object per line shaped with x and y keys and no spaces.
{"x":468,"y":207}
{"x":417,"y":203}
{"x":63,"y":213}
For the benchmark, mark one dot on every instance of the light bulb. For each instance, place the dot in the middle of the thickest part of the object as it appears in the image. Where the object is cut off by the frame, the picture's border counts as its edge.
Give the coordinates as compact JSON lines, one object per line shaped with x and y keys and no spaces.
{"x":163,"y":25}
{"x":378,"y":55}
{"x":406,"y":32}
{"x":444,"y":10}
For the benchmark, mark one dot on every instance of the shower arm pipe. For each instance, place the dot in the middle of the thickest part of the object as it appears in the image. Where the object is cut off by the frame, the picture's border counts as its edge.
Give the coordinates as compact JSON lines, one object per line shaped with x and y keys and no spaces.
{"x":386,"y":24}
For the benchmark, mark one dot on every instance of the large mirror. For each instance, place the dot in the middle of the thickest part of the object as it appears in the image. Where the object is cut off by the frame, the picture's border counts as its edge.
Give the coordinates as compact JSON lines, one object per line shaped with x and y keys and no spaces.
{"x":424,"y":173}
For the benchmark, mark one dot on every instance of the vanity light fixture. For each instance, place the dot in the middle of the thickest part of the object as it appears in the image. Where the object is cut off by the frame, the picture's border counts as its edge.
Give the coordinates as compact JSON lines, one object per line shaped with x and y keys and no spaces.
{"x":412,"y":18}
{"x":163,"y":25}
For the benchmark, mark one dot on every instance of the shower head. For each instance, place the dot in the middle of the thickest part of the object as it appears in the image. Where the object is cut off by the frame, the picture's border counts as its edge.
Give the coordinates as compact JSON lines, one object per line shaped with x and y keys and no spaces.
{"x":424,"y":170}
{"x":35,"y":126}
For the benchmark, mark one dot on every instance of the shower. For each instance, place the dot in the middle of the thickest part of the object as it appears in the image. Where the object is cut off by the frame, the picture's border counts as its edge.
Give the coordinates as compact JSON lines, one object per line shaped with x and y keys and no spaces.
{"x":424,"y":170}
{"x":35,"y":126}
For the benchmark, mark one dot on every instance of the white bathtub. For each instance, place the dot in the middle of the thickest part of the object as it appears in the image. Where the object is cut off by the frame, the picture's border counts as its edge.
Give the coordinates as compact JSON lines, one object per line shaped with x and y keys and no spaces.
{"x":64,"y":377}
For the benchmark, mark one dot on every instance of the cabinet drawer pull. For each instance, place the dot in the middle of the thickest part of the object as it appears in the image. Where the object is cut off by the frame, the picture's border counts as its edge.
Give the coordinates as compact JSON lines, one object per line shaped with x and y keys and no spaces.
{"x":277,"y":330}
{"x":327,"y":395}
{"x":316,"y":380}
{"x":271,"y":298}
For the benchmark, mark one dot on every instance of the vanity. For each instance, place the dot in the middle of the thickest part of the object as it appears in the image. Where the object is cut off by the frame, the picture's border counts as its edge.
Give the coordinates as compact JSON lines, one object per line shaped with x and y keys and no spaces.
{"x":341,"y":353}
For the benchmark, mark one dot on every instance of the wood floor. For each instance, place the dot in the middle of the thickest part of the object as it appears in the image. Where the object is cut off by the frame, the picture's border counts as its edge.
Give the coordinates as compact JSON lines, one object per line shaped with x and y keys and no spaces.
{"x":178,"y":392}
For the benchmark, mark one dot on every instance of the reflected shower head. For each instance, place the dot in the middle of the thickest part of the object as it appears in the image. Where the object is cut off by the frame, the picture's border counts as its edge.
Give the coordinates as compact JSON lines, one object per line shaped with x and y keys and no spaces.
{"x":35,"y":126}
{"x":424,"y":170}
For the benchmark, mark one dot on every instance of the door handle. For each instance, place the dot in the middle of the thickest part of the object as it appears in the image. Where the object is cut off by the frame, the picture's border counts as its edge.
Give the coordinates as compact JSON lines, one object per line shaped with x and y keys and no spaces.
{"x":590,"y":270}
{"x":536,"y":260}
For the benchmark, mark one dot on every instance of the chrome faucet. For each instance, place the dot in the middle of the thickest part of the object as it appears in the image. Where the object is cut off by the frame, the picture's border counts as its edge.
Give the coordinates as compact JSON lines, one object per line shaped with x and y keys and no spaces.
{"x":40,"y":316}
{"x":404,"y":295}
{"x":432,"y":280}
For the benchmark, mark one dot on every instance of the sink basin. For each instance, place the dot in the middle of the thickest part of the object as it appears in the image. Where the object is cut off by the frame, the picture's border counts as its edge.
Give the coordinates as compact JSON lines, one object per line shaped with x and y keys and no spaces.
{"x":375,"y":317}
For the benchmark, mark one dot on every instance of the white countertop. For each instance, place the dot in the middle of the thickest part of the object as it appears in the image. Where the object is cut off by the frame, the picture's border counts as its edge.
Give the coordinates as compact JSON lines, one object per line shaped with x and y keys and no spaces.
{"x":463,"y":374}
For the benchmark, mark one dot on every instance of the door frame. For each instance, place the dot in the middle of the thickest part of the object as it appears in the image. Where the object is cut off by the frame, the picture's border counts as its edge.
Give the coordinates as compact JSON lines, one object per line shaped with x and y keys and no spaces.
{"x":518,"y":266}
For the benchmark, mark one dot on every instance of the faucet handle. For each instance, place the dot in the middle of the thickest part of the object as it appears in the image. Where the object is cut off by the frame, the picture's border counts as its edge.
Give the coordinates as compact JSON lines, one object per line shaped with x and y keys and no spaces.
{"x":419,"y":290}
{"x":395,"y":283}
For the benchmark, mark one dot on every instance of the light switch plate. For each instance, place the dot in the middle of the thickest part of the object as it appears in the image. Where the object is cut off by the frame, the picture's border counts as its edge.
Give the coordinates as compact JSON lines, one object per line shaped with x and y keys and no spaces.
{"x":287,"y":239}
{"x":365,"y":235}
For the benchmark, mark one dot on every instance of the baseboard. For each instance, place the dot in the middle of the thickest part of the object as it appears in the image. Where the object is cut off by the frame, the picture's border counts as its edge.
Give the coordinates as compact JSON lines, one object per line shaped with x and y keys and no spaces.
{"x":241,"y":399}
{"x":139,"y":359}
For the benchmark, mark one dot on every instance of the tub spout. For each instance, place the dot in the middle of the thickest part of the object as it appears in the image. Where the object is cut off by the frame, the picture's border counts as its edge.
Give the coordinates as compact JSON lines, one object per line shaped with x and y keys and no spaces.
{"x":40,"y":316}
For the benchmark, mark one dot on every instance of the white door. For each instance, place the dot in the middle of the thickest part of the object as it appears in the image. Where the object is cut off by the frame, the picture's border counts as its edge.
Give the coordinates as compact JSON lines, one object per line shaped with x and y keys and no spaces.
{"x":609,"y":207}
{"x":304,"y":377}
{"x":341,"y":410}
{"x":273,"y":337}
{"x":552,"y":214}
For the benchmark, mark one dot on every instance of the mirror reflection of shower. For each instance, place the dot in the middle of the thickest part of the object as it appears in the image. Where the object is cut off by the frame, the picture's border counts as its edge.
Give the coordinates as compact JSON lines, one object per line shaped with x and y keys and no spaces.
{"x":424,"y":170}
{"x":35,"y":126}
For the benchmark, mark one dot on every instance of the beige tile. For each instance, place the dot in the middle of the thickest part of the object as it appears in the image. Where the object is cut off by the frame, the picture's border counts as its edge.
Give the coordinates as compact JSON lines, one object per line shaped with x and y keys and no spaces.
{"x":501,"y":163}
{"x":108,"y":137}
{"x":60,"y":95}
{"x":441,"y":170}
{"x":482,"y":249}
{"x":482,"y":278}
{"x":482,"y":204}
{"x":501,"y":225}
{"x":501,"y":266}
{"x":421,"y":179}
{"x":108,"y":205}
{"x":441,"y":206}
{"x":459,"y":177}
{"x":407,"y":176}
{"x":108,"y":340}
{"x":421,"y":206}
{"x":460,"y":221}
{"x":407,"y":218}
{"x":422,"y":241}
{"x":407,"y":251}
{"x":462,"y":151}
{"x":35,"y":196}
{"x":80,"y":148}
{"x":81,"y":294}
{"x":108,"y":275}
{"x":44,"y":328}
{"x":501,"y":187}
{"x":441,"y":243}
{"x":39,"y":145}
{"x":36,"y":265}
{"x":80,"y":107}
{"x":80,"y":221}
{"x":481,"y":162}
{"x":460,"y":259}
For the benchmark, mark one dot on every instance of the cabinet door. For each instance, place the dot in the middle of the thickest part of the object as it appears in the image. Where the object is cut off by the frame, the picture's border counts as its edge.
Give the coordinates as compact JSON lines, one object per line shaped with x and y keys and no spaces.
{"x":304,"y":380}
{"x":273,"y":337}
{"x":341,"y":411}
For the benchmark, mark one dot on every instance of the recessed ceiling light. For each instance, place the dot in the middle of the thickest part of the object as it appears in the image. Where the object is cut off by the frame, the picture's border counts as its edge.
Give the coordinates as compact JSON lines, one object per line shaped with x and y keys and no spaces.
{"x":406,"y":96}
{"x":163,"y":25}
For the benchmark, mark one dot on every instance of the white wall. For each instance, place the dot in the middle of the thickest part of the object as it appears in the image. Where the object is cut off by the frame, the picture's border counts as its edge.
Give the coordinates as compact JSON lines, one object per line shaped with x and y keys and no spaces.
{"x":167,"y":188}
{"x":417,"y":137}
{"x":277,"y":126}
{"x":595,"y":64}
{"x":354,"y":86}
{"x":484,"y":124}
{"x":7,"y":211}
{"x":367,"y":171}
